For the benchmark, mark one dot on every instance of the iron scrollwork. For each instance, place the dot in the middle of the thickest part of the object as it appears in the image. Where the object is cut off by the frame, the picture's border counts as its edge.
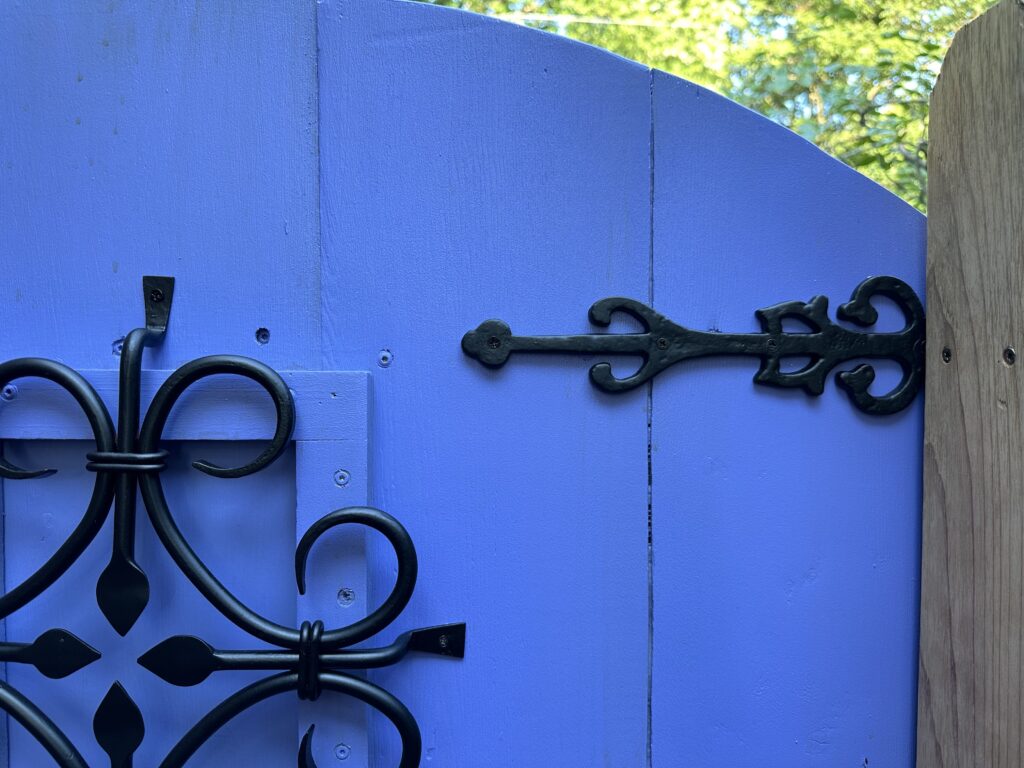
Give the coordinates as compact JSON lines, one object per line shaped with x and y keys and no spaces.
{"x":663,"y":343}
{"x":130,"y":459}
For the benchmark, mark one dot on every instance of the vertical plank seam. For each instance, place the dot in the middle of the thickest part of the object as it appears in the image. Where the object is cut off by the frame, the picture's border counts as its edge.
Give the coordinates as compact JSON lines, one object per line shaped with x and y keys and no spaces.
{"x":5,"y":742}
{"x":319,"y":356}
{"x":650,"y":450}
{"x":318,"y":189}
{"x":296,"y":533}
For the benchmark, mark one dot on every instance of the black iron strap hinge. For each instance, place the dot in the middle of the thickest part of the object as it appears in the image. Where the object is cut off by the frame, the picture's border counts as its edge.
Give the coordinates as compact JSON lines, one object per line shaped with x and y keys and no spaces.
{"x":663,"y":343}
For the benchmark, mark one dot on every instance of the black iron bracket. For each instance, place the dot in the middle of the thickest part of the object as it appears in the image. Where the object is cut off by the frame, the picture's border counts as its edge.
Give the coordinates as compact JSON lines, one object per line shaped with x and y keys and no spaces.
{"x":663,"y":343}
{"x":128,"y":461}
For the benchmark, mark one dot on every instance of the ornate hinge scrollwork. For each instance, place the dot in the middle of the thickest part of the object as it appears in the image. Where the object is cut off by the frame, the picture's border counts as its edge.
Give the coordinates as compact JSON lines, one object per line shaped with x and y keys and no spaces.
{"x":663,"y":343}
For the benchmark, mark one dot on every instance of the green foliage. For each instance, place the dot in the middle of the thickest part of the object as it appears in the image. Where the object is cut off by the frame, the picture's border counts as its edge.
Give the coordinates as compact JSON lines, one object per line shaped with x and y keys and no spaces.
{"x":853,"y":76}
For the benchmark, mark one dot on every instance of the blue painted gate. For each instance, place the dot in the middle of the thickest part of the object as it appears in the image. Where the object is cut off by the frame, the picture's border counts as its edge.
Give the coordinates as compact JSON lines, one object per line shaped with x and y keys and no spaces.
{"x":700,"y":573}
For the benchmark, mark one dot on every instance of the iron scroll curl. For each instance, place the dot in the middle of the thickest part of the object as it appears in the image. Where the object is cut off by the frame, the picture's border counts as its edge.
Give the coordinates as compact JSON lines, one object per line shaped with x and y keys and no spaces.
{"x":284,"y":682}
{"x":156,"y":503}
{"x":103,"y":487}
{"x":186,"y":660}
{"x":41,"y":727}
{"x":193,"y":567}
{"x":313,"y":655}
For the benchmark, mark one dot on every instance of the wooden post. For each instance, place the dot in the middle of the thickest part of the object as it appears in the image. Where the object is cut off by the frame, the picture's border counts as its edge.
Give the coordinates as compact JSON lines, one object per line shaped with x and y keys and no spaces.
{"x":971,"y":687}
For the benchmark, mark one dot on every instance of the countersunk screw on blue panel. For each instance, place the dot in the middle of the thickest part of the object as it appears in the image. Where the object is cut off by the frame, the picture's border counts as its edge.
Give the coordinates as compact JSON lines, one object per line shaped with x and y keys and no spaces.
{"x":117,"y":346}
{"x":342,"y":751}
{"x":346,"y":596}
{"x":341,"y":478}
{"x":9,"y":392}
{"x":385,"y":358}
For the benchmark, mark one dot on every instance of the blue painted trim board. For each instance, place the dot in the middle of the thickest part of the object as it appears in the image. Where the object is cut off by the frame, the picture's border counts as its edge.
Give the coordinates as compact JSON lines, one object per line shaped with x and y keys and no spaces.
{"x":4,"y":743}
{"x":326,"y":405}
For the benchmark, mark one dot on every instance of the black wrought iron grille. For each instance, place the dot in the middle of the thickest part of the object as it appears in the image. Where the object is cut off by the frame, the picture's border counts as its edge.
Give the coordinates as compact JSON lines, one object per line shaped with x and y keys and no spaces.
{"x":311,"y":658}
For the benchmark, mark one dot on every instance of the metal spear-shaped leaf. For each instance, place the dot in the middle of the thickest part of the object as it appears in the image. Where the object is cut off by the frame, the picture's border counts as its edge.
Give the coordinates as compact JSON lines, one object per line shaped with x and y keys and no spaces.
{"x":56,"y":653}
{"x":118,"y":726}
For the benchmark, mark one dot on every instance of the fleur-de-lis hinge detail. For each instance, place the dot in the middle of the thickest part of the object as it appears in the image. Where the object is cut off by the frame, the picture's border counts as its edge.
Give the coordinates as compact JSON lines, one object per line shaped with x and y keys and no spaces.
{"x":825,"y":344}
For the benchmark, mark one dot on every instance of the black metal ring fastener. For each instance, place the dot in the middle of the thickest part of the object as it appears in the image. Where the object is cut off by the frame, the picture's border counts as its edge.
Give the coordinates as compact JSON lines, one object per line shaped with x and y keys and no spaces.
{"x":131,"y":459}
{"x":311,"y":655}
{"x":663,"y":343}
{"x":308,"y":663}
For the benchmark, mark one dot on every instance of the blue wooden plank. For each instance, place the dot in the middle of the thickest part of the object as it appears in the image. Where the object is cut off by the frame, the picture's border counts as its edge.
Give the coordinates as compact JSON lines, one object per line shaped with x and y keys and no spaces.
{"x":4,"y":742}
{"x":786,"y":528}
{"x":146,"y":137}
{"x":473,"y":169}
{"x":330,"y":475}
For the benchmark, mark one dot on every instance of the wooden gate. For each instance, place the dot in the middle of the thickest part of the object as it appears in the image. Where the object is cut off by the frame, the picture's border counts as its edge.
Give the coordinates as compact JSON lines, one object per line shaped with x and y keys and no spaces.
{"x":698,"y":572}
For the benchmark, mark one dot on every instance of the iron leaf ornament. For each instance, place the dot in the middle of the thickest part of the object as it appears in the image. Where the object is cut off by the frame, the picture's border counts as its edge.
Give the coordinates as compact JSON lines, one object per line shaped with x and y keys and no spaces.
{"x":118,"y":726}
{"x":663,"y":343}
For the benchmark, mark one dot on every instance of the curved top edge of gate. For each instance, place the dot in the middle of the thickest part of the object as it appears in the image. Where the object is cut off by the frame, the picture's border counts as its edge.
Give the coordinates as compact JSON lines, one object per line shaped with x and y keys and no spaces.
{"x":460,"y":21}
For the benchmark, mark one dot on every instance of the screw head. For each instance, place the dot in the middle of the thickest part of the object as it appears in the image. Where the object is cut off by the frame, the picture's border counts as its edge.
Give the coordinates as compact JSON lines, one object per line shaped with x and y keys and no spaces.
{"x":346,"y":596}
{"x":341,"y":478}
{"x":156,"y":295}
{"x":9,"y":392}
{"x":663,"y":343}
{"x":385,"y":358}
{"x":1009,"y":356}
{"x":947,"y":354}
{"x":493,"y":342}
{"x":443,"y":641}
{"x":262,"y":336}
{"x":342,"y":751}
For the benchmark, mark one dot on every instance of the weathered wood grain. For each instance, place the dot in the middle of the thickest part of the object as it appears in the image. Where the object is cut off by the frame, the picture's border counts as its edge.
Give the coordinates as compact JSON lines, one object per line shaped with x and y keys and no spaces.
{"x":970,"y":685}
